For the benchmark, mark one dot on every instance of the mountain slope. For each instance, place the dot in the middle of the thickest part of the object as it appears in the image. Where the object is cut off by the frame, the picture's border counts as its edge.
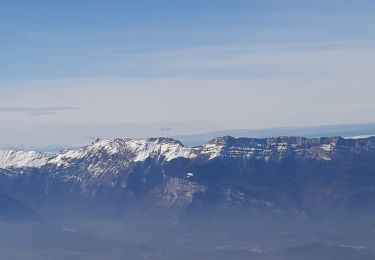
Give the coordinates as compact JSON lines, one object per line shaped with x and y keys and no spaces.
{"x":12,"y":210}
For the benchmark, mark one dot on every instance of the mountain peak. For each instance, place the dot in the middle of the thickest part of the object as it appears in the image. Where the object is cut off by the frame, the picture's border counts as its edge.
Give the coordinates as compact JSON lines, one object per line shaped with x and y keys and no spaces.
{"x":224,"y":140}
{"x":165,"y":140}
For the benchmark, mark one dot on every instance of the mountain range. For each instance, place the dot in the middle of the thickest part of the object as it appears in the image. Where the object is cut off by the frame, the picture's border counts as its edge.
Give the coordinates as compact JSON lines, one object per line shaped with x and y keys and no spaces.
{"x":284,"y":174}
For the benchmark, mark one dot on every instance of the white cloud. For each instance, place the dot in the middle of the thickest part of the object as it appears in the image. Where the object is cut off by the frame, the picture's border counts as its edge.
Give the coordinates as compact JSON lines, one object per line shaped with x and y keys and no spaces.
{"x":36,"y":111}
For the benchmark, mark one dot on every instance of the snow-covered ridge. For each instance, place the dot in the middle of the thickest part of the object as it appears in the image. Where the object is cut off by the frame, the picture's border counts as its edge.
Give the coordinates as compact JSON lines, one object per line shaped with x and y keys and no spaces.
{"x":125,"y":150}
{"x":130,"y":150}
{"x":103,"y":155}
{"x":19,"y":159}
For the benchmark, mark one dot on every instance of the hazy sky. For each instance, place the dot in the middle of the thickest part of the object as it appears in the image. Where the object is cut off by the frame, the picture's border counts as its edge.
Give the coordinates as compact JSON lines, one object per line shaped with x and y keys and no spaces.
{"x":73,"y":70}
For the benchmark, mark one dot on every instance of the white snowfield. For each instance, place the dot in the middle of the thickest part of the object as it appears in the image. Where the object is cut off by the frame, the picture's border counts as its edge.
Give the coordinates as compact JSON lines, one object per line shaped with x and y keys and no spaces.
{"x":103,"y":155}
{"x":19,"y":159}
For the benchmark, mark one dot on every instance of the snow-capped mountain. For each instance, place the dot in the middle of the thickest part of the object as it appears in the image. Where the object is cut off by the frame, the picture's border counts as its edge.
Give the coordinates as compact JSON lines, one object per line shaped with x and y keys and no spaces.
{"x":272,"y":174}
{"x":166,"y":149}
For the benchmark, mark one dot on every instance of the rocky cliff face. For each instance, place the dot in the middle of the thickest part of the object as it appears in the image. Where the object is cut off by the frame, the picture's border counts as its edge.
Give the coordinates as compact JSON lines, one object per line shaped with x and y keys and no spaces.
{"x":285,"y":173}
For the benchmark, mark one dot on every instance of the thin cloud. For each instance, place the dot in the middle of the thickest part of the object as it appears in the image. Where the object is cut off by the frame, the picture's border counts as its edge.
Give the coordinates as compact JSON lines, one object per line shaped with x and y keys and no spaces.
{"x":38,"y":111}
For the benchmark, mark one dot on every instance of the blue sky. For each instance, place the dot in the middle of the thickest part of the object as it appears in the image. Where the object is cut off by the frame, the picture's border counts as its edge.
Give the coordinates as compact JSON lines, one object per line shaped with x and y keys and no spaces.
{"x":60,"y":39}
{"x":217,"y":64}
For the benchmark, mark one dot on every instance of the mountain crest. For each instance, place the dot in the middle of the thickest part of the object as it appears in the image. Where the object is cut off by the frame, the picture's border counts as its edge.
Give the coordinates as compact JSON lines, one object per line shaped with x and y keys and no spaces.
{"x":123,"y":151}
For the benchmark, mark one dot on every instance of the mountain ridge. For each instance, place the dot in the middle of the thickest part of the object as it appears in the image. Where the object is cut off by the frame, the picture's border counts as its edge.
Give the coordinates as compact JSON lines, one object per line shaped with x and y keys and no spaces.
{"x":19,"y":159}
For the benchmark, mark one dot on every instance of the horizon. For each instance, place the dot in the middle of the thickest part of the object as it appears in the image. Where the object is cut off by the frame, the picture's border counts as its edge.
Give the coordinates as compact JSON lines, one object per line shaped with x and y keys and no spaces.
{"x":351,"y":131}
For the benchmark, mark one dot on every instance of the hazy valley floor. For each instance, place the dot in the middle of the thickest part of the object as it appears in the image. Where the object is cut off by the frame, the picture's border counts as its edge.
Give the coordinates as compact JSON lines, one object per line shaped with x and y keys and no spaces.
{"x":260,"y":238}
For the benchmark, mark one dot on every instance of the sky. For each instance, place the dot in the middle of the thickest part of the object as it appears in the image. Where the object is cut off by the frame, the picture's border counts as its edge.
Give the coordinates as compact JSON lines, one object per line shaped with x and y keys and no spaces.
{"x":72,"y":71}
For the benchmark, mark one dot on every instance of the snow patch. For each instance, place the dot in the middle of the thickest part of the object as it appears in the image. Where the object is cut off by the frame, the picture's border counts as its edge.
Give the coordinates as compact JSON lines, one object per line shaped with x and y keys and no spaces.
{"x":19,"y":159}
{"x":359,"y":137}
{"x":327,"y":147}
